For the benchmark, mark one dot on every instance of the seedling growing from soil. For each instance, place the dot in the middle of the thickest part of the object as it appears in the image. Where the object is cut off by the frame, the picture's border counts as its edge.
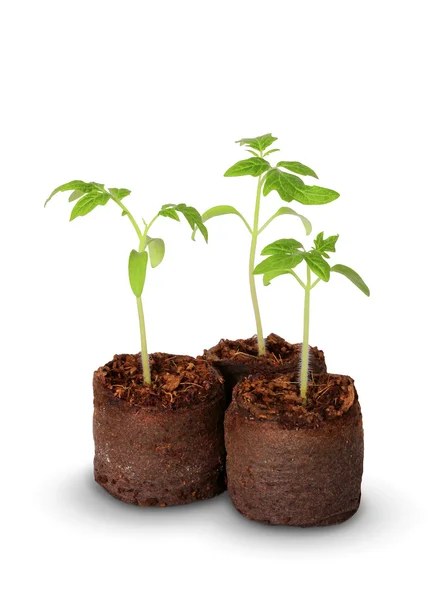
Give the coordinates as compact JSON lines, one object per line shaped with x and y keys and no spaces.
{"x":283,"y":256}
{"x":283,"y":178}
{"x":91,"y":195}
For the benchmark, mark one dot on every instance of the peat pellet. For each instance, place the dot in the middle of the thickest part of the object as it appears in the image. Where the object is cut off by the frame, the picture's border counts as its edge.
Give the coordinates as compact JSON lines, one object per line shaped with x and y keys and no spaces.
{"x":293,"y":465}
{"x":237,"y":359}
{"x":159,"y":445}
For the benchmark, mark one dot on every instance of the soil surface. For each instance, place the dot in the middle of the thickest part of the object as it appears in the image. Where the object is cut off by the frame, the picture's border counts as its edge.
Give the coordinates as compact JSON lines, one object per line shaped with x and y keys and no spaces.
{"x":177,"y":381}
{"x":159,"y":445}
{"x":238,"y":359}
{"x":277,"y":351}
{"x":277,"y":398}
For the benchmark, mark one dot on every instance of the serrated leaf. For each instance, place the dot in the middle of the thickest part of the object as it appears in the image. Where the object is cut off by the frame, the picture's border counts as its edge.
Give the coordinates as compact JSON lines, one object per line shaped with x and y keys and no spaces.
{"x":325,"y":245}
{"x":297,"y":167}
{"x":137,"y":271}
{"x":278,"y":262}
{"x":317,"y":264}
{"x":157,"y":249}
{"x":352,"y":276}
{"x":259,"y":143}
{"x":289,"y":211}
{"x":268,"y":277}
{"x":285,"y":184}
{"x":249,"y":166}
{"x":75,"y":195}
{"x":120,"y":193}
{"x":88,"y":202}
{"x":75,"y":185}
{"x":169,"y":212}
{"x":191,"y":215}
{"x":290,"y":187}
{"x":284,"y":246}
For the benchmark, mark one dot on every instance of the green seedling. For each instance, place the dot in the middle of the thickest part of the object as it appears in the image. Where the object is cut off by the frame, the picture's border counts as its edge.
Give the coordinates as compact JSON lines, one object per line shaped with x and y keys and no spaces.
{"x":283,"y":256}
{"x":283,"y":179}
{"x":91,"y":195}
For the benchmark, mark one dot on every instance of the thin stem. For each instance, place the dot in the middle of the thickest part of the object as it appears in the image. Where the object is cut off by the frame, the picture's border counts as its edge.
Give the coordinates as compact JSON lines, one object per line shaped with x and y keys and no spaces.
{"x":252,"y":284}
{"x":151,"y":223}
{"x":305,"y":343}
{"x":142,"y":326}
{"x":298,"y":279}
{"x":315,"y":283}
{"x":144,"y":355}
{"x":129,"y":215}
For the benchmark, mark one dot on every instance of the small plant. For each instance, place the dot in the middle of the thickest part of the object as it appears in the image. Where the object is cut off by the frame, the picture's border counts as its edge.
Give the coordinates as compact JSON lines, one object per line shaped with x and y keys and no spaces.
{"x":283,"y":256}
{"x":289,"y":187}
{"x":91,"y":195}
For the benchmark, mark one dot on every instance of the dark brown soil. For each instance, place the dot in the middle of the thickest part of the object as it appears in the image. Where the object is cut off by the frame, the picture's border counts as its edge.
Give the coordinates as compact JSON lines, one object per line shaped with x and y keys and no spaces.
{"x":159,"y":445}
{"x":177,"y":381}
{"x":293,"y":464}
{"x":277,"y":398}
{"x":238,"y":359}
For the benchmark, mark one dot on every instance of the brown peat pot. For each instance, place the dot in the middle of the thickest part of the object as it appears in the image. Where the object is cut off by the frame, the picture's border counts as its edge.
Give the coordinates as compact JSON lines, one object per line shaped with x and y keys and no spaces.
{"x":161,"y":444}
{"x":289,"y":464}
{"x":237,"y":359}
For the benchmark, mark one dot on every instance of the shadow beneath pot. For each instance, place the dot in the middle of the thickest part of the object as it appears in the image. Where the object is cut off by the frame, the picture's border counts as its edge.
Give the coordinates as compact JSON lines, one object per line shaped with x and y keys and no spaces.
{"x":79,"y":499}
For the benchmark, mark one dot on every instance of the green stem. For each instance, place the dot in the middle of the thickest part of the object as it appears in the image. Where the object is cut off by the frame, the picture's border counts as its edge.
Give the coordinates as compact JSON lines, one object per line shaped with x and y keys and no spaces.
{"x":142,"y":326}
{"x":252,"y":284}
{"x":305,"y":343}
{"x":144,"y":355}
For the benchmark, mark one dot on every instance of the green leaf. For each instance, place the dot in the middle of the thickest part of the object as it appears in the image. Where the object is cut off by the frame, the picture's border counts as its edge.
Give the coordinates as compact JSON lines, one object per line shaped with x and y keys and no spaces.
{"x":76,"y":185}
{"x":218,"y":211}
{"x":268,"y":277}
{"x":278,"y":262}
{"x":75,"y":195}
{"x":137,"y":271}
{"x":88,"y":202}
{"x":290,"y":187}
{"x":156,"y":248}
{"x":271,"y":151}
{"x":250,"y":166}
{"x":297,"y":167}
{"x":191,"y":215}
{"x":119,"y":193}
{"x":285,"y":246}
{"x":285,"y":184}
{"x":327,"y":245}
{"x":317,"y":264}
{"x":288,"y":211}
{"x":169,"y":212}
{"x":353,"y":276}
{"x":259,"y":143}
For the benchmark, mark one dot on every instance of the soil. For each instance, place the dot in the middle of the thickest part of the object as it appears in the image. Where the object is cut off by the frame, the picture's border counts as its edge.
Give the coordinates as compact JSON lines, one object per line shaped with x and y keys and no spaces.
{"x":293,"y":464}
{"x":177,"y":381}
{"x":277,"y":398}
{"x":237,"y":359}
{"x":159,"y":445}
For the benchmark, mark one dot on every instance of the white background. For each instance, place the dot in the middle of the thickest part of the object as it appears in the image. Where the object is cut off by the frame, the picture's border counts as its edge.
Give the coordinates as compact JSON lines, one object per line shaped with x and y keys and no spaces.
{"x":151,"y":96}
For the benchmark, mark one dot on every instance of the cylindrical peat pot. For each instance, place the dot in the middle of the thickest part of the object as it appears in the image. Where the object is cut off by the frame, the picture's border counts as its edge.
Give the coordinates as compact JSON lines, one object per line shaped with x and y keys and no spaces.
{"x":237,"y":359}
{"x":161,"y":444}
{"x":289,"y":464}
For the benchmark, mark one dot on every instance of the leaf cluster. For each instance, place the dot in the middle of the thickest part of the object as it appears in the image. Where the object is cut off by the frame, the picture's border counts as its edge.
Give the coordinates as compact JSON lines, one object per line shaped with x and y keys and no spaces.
{"x":286,"y":254}
{"x":283,"y":177}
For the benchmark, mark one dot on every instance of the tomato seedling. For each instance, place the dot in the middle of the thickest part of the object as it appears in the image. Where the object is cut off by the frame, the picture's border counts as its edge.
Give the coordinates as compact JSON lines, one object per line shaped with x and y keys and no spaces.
{"x":283,"y":256}
{"x":283,"y":178}
{"x":89,"y":196}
